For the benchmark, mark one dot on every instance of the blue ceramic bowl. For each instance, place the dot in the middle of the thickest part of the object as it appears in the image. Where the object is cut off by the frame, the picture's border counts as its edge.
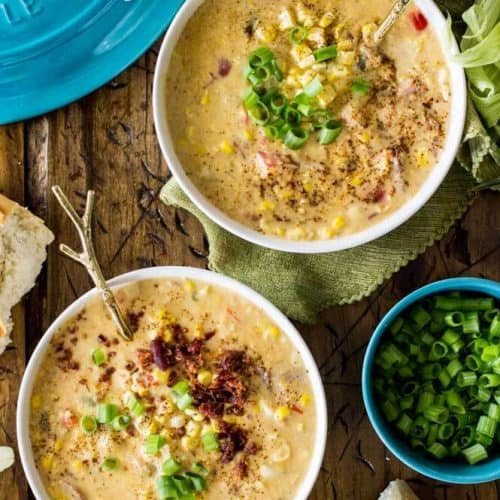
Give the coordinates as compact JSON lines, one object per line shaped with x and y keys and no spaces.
{"x":488,"y":470}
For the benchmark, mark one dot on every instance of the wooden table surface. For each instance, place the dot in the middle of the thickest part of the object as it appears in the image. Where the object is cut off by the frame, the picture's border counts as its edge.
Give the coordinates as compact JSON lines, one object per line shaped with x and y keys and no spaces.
{"x":106,"y":142}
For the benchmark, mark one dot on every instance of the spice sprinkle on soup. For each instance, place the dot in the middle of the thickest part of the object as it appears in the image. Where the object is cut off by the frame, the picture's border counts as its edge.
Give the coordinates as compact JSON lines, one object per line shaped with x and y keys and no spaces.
{"x":290,"y":120}
{"x":210,"y":400}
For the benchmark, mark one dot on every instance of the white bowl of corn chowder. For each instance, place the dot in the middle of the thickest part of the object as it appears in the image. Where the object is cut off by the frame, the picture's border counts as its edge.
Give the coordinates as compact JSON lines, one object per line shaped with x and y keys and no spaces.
{"x":217,"y":396}
{"x":286,"y":126}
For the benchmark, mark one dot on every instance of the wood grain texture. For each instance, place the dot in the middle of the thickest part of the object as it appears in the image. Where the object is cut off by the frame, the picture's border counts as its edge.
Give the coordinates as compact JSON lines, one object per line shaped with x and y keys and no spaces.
{"x":106,"y":142}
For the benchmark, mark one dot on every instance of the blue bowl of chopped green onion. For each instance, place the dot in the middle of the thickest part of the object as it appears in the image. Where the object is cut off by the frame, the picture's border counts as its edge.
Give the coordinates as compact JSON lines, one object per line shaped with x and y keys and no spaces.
{"x":431,"y":380}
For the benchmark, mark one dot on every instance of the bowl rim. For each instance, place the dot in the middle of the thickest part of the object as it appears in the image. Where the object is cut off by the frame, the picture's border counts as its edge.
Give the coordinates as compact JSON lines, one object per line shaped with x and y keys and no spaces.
{"x":395,"y":444}
{"x":456,"y":122}
{"x":175,"y":272}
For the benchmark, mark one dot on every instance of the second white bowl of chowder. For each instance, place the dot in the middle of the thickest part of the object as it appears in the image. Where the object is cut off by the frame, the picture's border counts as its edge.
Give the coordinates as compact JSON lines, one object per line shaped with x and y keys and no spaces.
{"x":216,"y":397}
{"x":289,"y":127}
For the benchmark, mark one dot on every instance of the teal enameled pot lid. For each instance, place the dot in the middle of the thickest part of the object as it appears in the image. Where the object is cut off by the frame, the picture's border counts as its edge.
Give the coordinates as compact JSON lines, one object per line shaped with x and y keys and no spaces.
{"x":54,"y":51}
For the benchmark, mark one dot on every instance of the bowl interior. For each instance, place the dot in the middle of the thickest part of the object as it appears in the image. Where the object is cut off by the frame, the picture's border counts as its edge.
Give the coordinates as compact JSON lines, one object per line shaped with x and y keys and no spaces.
{"x":23,"y":413}
{"x":455,"y":128}
{"x":488,"y":470}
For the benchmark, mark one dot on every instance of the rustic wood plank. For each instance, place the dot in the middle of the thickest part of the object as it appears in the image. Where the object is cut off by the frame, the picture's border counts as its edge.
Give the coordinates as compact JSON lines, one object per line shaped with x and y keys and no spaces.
{"x":12,"y":483}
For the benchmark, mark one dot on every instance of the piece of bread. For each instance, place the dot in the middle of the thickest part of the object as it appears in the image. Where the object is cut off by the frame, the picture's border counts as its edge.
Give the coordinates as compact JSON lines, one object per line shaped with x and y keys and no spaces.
{"x":398,"y":490}
{"x":23,"y":241}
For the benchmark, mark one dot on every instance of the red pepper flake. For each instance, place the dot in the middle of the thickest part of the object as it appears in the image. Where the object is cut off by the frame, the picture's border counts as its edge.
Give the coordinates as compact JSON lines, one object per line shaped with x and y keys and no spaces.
{"x":418,"y":20}
{"x":224,"y":67}
{"x":296,"y":409}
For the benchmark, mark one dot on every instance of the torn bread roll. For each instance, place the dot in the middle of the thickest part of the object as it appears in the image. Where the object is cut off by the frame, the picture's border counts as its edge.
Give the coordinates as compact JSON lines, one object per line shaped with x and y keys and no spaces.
{"x":398,"y":490}
{"x":23,"y":241}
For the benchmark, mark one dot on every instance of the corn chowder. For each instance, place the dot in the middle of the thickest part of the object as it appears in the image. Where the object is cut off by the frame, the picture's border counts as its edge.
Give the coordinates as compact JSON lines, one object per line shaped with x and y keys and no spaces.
{"x":289,"y":119}
{"x":210,"y":400}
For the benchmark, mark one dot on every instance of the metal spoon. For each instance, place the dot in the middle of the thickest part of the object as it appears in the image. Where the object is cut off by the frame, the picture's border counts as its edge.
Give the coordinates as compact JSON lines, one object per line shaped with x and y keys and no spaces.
{"x":88,"y":259}
{"x":389,"y":21}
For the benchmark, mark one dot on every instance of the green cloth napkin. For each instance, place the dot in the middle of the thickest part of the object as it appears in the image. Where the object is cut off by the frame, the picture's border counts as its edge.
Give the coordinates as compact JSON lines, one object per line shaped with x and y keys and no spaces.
{"x":303,"y":285}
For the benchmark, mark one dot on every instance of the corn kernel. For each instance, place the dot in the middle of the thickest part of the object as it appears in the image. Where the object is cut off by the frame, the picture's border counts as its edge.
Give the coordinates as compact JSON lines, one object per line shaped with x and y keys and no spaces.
{"x":300,"y":427}
{"x":189,"y":286}
{"x":335,"y":71}
{"x":166,"y":317}
{"x":338,"y":222}
{"x":357,"y":180}
{"x":188,"y":443}
{"x":364,"y":137}
{"x":47,"y":461}
{"x":367,"y":32}
{"x":161,"y":376}
{"x":306,"y":77}
{"x":198,"y":331}
{"x":58,"y":444}
{"x":265,"y":34}
{"x":422,"y":159}
{"x":304,"y":15}
{"x":204,"y":377}
{"x":36,"y":401}
{"x":205,"y":98}
{"x":190,"y":132}
{"x":346,"y":58}
{"x":77,"y":465}
{"x":286,"y":19}
{"x":248,"y":134}
{"x":272,"y":331}
{"x":153,"y":428}
{"x":326,"y":96}
{"x":193,"y":429}
{"x":308,"y":187}
{"x":207,"y":428}
{"x":338,"y":30}
{"x":317,"y":36}
{"x":280,"y":231}
{"x":266,"y":205}
{"x":345,"y":45}
{"x":305,"y":399}
{"x":327,"y":19}
{"x":282,"y":412}
{"x":302,"y":55}
{"x":183,"y":142}
{"x":319,"y":67}
{"x":294,"y":71}
{"x":226,"y":147}
{"x":233,"y":419}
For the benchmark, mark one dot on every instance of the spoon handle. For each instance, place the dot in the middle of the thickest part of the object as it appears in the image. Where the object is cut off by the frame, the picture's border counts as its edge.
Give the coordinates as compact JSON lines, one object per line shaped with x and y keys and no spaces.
{"x":389,"y":21}
{"x":88,"y":259}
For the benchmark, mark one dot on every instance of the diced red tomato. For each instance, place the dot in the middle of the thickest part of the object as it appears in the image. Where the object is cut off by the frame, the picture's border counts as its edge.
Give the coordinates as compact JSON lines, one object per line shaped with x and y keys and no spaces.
{"x":418,"y":20}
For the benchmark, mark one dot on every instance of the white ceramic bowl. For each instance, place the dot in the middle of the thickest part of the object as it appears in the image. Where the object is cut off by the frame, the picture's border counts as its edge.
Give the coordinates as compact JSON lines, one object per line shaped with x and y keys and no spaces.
{"x":23,"y":407}
{"x":456,"y":120}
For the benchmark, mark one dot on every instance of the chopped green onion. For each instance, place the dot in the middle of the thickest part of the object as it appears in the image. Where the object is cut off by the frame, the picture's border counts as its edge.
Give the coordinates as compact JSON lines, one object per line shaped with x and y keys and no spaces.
{"x":446,"y":431}
{"x":432,"y":435}
{"x":297,"y":34}
{"x":277,"y":103}
{"x":455,"y":402}
{"x":153,"y":443}
{"x":88,"y":424}
{"x":260,"y":57}
{"x":487,"y":426}
{"x":170,"y":467}
{"x":109,"y":464}
{"x":471,"y":322}
{"x":465,"y":436}
{"x":98,"y":356}
{"x":436,"y":413}
{"x":475,"y":453}
{"x":166,"y":489}
{"x":121,"y":422}
{"x":495,"y":326}
{"x":210,"y":441}
{"x":199,"y":469}
{"x":494,"y":411}
{"x":488,"y":380}
{"x":360,"y":86}
{"x":390,"y":410}
{"x":259,"y":113}
{"x":455,"y":318}
{"x":425,"y":400}
{"x":458,"y":304}
{"x":431,"y":371}
{"x":490,"y":353}
{"x":197,"y":481}
{"x":420,"y":317}
{"x":325,"y":53}
{"x":295,"y":138}
{"x":404,"y":424}
{"x":437,"y":450}
{"x":135,"y":405}
{"x":466,"y":379}
{"x":420,"y":427}
{"x":291,"y":115}
{"x":473,"y":362}
{"x":329,"y":132}
{"x":105,"y":413}
{"x":438,"y":350}
{"x":183,"y":484}
{"x":450,"y":337}
{"x":250,"y":98}
{"x":454,"y":367}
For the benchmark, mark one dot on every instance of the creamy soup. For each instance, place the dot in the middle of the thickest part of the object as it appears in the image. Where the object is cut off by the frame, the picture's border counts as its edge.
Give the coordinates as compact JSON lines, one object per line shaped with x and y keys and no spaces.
{"x":210,"y":400}
{"x":390,"y":104}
